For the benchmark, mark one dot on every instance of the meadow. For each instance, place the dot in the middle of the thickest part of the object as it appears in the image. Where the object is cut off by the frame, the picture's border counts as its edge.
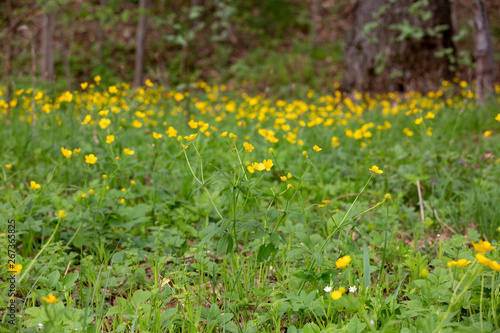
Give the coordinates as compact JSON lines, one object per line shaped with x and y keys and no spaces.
{"x":211,"y":210}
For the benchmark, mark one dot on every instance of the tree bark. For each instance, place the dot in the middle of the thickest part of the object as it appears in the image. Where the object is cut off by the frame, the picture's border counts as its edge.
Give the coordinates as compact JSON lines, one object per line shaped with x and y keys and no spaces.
{"x":48,"y":30}
{"x":483,"y":53}
{"x":8,"y":57}
{"x":140,"y":43}
{"x":399,"y":46}
{"x":314,"y":23}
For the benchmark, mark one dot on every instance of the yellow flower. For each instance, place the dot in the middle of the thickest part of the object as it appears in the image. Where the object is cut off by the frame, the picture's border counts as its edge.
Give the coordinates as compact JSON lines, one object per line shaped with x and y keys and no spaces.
{"x":459,"y":263}
{"x":191,"y":137}
{"x":84,"y":85}
{"x":375,"y":169}
{"x":91,"y":191}
{"x":87,"y":120}
{"x":103,"y":113}
{"x":123,"y":189}
{"x":122,"y":201}
{"x":289,"y":186}
{"x":430,"y":115}
{"x":132,"y":182}
{"x":271,"y":151}
{"x":185,"y":147}
{"x":157,"y":135}
{"x":110,"y":138}
{"x":424,"y":272}
{"x":34,"y":186}
{"x":337,"y":293}
{"x":128,"y":151}
{"x":419,"y":121}
{"x":495,"y":266}
{"x":104,"y":176}
{"x":15,"y":268}
{"x":149,"y":83}
{"x":66,"y":152}
{"x":482,"y":259}
{"x":268,"y":164}
{"x":50,"y":299}
{"x":84,"y":195}
{"x":104,"y":122}
{"x":289,"y":175}
{"x":487,"y":133}
{"x":250,"y":169}
{"x":62,"y":213}
{"x":233,"y":136}
{"x":482,"y":247}
{"x":171,"y":132}
{"x":248,"y":147}
{"x":178,"y":96}
{"x":223,"y":134}
{"x":8,"y":166}
{"x":76,"y":151}
{"x":136,"y":123}
{"x":112,"y":90}
{"x":283,"y":178}
{"x":91,"y":159}
{"x":343,"y":262}
{"x":497,"y":118}
{"x":316,"y":148}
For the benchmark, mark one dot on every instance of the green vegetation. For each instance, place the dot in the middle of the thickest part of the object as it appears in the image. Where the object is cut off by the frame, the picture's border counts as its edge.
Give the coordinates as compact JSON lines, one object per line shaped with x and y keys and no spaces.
{"x":153,"y":210}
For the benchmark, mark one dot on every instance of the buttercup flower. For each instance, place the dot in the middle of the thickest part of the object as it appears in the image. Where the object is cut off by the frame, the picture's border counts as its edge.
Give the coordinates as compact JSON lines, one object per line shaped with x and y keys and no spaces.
{"x":34,"y":186}
{"x":87,"y":120}
{"x":128,"y":151}
{"x":495,"y":266}
{"x":283,"y":178}
{"x":104,"y":122}
{"x":343,"y":262}
{"x":482,"y":247}
{"x":110,"y":138}
{"x":375,"y":169}
{"x":268,"y":164}
{"x":66,"y":152}
{"x":50,"y":299}
{"x":14,"y":268}
{"x":157,"y":135}
{"x":90,"y":159}
{"x":271,"y":151}
{"x":171,"y":132}
{"x":459,"y":263}
{"x":62,"y":213}
{"x":482,"y":259}
{"x":316,"y":148}
{"x":8,"y":166}
{"x":84,"y":85}
{"x":191,"y":137}
{"x":248,"y":147}
{"x":223,"y":134}
{"x":337,"y":293}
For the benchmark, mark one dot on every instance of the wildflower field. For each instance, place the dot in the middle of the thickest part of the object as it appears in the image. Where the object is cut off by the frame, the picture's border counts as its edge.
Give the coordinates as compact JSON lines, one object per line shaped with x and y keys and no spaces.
{"x":211,"y":210}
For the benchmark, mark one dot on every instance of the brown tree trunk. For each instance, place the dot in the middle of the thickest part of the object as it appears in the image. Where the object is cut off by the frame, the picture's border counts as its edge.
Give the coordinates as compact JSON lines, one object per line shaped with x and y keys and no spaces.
{"x":8,"y":57}
{"x":100,"y":33}
{"x":314,"y":23}
{"x":483,"y":53}
{"x":140,"y":43}
{"x":396,"y":46}
{"x":48,"y":30}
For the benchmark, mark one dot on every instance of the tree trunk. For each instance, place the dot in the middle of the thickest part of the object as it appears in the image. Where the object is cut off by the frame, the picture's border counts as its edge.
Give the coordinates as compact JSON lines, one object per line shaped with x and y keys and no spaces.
{"x":100,"y":33}
{"x":140,"y":43}
{"x":48,"y":30}
{"x":399,"y":46}
{"x":314,"y":23}
{"x":8,"y":57}
{"x":483,"y":53}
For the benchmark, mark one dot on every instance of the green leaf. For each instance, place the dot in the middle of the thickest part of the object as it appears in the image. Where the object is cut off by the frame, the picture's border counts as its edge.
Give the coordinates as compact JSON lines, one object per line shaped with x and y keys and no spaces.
{"x":266,"y":252}
{"x":225,"y":243}
{"x":53,"y":278}
{"x":311,"y":328}
{"x":318,"y":258}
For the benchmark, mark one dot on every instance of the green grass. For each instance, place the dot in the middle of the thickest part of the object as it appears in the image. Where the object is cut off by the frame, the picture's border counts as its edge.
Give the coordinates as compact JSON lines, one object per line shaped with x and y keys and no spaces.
{"x":201,"y":244}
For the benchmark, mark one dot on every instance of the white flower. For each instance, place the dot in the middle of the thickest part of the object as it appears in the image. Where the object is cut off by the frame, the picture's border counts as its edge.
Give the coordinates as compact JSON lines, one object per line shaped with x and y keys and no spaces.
{"x":328,"y":289}
{"x":352,"y":289}
{"x":40,"y":325}
{"x":372,"y":322}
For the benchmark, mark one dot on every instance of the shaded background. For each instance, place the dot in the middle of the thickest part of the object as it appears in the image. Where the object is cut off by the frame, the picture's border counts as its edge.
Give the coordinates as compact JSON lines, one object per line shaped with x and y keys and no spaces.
{"x":273,"y":45}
